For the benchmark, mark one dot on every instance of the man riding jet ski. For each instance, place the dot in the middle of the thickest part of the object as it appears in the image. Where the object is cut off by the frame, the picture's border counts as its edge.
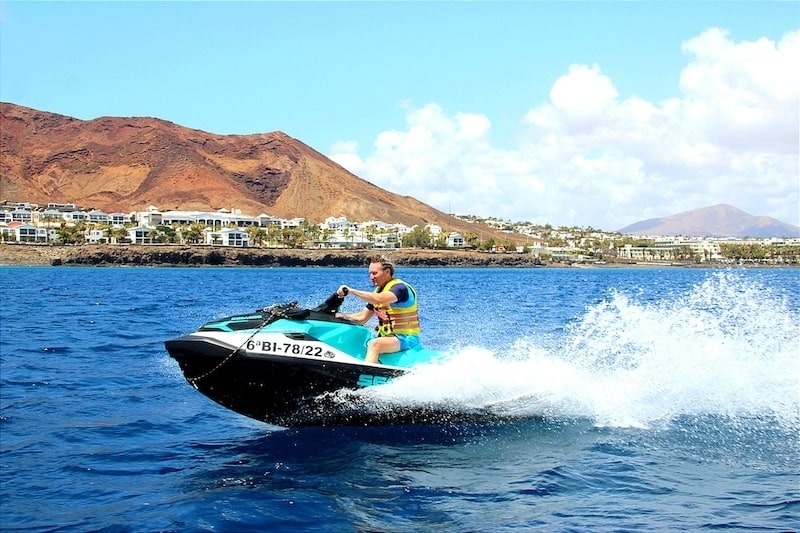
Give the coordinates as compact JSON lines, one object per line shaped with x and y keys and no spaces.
{"x":394,"y":302}
{"x":282,"y":363}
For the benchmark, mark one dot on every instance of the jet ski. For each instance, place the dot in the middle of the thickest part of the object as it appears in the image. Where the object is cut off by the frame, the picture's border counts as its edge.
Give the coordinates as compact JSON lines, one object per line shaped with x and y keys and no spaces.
{"x":285,"y":364}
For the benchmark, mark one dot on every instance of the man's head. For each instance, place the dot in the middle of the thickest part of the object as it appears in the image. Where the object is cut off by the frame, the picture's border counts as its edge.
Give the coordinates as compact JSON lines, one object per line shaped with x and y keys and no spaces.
{"x":381,"y":271}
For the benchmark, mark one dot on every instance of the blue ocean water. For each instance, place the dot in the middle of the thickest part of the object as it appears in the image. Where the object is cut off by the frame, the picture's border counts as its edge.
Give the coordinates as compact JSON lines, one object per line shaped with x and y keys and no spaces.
{"x":639,"y":399}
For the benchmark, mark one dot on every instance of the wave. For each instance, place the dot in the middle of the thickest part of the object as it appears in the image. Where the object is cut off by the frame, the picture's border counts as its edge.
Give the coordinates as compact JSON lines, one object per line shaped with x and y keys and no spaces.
{"x":725,"y":347}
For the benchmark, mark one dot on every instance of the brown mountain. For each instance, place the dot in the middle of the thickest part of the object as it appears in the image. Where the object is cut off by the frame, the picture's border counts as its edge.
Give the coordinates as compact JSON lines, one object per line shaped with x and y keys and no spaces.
{"x":125,"y":164}
{"x":720,"y":220}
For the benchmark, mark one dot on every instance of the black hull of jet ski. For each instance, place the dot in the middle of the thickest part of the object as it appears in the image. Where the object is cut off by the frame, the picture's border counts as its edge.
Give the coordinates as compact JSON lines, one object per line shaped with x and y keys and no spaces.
{"x":280,"y":390}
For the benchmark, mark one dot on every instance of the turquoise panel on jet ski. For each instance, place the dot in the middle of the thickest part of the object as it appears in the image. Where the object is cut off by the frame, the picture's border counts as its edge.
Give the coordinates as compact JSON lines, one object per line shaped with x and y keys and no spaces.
{"x":409,"y":358}
{"x":349,"y":338}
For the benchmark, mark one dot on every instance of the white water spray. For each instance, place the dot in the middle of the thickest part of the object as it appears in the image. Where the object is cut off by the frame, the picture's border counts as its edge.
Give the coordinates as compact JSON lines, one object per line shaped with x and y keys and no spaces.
{"x":728,"y":347}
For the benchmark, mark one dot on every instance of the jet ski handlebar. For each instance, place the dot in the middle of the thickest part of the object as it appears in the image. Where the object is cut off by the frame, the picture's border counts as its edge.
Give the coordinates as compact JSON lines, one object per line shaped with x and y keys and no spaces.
{"x":330,"y":307}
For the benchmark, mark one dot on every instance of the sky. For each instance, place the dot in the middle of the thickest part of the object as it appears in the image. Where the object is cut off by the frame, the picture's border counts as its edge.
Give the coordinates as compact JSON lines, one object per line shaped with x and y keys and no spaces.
{"x":594,"y":114}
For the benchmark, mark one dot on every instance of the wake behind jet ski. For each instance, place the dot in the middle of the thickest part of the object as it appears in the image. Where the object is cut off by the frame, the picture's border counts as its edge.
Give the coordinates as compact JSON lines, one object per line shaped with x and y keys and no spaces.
{"x":280,"y":363}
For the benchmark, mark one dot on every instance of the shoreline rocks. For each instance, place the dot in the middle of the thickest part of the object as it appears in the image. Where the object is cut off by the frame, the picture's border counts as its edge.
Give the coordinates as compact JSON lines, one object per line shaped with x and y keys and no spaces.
{"x":169,"y":255}
{"x":15,"y":254}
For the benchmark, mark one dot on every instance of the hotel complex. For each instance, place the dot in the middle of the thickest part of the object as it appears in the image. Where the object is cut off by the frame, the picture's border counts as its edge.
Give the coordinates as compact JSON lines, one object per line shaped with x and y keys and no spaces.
{"x":31,"y":223}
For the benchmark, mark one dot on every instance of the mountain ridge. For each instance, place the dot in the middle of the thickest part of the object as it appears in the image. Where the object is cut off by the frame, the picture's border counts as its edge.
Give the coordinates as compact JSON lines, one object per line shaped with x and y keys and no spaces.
{"x":131,"y":163}
{"x":720,"y":220}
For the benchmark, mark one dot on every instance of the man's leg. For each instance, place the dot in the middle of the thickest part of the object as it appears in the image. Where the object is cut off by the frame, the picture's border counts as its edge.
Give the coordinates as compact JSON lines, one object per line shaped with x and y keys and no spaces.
{"x":381,"y":345}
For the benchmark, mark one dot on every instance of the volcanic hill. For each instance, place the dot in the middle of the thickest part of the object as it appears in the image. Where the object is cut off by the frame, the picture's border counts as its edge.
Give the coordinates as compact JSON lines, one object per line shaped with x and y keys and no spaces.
{"x":120,"y":164}
{"x":720,"y":220}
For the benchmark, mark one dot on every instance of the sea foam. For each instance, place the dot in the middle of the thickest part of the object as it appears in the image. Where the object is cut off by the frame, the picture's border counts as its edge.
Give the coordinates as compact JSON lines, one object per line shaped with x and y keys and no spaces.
{"x":726,"y":347}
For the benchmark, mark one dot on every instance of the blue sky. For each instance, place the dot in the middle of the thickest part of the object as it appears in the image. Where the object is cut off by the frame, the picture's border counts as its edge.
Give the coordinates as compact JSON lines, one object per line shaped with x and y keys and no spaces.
{"x":585,"y":113}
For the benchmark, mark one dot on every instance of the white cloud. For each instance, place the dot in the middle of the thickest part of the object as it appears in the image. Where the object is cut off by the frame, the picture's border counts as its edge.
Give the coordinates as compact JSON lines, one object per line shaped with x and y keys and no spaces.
{"x":583,"y":93}
{"x":588,"y":157}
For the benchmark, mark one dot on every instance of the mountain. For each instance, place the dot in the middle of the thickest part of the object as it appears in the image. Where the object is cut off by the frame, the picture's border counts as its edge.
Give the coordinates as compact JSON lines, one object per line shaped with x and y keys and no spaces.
{"x":125,"y":164}
{"x":720,"y":220}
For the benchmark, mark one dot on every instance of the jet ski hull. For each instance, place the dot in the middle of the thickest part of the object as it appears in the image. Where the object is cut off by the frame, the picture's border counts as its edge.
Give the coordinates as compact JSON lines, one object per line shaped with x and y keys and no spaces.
{"x":282,"y":390}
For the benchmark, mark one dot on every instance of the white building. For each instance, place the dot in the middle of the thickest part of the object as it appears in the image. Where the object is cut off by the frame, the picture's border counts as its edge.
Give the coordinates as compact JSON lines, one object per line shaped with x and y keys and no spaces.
{"x":227,"y":237}
{"x":338,"y":224}
{"x":455,"y":240}
{"x":140,"y":235}
{"x":21,"y":215}
{"x":218,"y":219}
{"x":434,"y":230}
{"x":73,"y":217}
{"x":96,"y":236}
{"x":152,"y":217}
{"x":702,"y":248}
{"x":119,"y":219}
{"x":22,"y":232}
{"x":292,"y":223}
{"x":97,"y":217}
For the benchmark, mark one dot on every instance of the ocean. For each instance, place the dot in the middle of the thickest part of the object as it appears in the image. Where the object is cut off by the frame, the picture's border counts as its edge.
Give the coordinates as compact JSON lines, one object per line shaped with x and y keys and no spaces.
{"x":633,"y":399}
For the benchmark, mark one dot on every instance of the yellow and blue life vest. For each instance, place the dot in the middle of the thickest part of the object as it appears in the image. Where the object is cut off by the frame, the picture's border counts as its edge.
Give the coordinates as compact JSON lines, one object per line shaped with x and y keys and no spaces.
{"x":398,"y":317}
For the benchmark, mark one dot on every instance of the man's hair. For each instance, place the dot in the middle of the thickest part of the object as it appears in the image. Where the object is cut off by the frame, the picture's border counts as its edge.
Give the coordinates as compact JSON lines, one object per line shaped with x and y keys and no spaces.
{"x":385,"y":263}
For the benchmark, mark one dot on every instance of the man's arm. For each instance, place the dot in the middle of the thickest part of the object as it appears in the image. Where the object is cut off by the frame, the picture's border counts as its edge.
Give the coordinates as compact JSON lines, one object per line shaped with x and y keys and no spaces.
{"x":374,"y":298}
{"x":361,"y":317}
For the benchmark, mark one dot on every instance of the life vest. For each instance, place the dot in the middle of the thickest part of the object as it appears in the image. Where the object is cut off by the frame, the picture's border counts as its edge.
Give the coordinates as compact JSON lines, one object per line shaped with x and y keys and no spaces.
{"x":398,"y":317}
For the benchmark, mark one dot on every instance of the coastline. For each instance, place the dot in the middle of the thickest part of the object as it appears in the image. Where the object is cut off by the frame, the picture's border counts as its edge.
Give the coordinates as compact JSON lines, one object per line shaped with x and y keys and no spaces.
{"x":15,"y":254}
{"x":12,"y":254}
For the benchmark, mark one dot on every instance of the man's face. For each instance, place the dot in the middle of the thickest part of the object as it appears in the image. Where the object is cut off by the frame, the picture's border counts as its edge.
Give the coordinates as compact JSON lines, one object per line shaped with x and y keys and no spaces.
{"x":378,"y":275}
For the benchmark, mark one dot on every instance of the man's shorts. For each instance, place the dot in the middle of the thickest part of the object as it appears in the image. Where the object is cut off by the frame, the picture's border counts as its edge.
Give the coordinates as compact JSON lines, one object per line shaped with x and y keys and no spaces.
{"x":407,"y":341}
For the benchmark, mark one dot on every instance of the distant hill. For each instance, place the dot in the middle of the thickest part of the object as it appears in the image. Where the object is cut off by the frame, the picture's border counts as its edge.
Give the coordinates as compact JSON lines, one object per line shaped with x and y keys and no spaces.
{"x":720,"y":220}
{"x":125,"y":164}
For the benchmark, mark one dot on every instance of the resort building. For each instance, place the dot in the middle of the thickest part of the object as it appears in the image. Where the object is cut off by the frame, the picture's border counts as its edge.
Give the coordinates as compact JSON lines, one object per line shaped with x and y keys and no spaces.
{"x":140,"y":235}
{"x":227,"y":237}
{"x":23,"y":232}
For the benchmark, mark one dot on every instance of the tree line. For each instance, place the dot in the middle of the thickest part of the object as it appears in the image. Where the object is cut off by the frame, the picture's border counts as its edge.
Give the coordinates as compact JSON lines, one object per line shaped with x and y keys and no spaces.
{"x":301,"y":236}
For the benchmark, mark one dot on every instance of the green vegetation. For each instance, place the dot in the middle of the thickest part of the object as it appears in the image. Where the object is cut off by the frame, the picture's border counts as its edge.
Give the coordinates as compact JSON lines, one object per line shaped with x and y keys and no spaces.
{"x":760,"y":253}
{"x":418,"y":238}
{"x":545,"y":241}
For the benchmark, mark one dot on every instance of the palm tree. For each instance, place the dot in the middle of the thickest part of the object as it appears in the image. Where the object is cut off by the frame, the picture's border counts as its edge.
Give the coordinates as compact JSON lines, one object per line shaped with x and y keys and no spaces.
{"x":272,"y":232}
{"x":370,"y":231}
{"x":118,"y":233}
{"x":256,"y":234}
{"x":418,"y":238}
{"x":106,"y":231}
{"x":292,"y":238}
{"x":193,"y":234}
{"x":326,"y":234}
{"x":311,"y":232}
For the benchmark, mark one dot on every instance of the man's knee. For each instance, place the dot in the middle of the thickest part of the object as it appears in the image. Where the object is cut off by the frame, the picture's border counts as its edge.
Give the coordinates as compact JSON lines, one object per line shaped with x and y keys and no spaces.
{"x":380,"y":346}
{"x":385,"y":344}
